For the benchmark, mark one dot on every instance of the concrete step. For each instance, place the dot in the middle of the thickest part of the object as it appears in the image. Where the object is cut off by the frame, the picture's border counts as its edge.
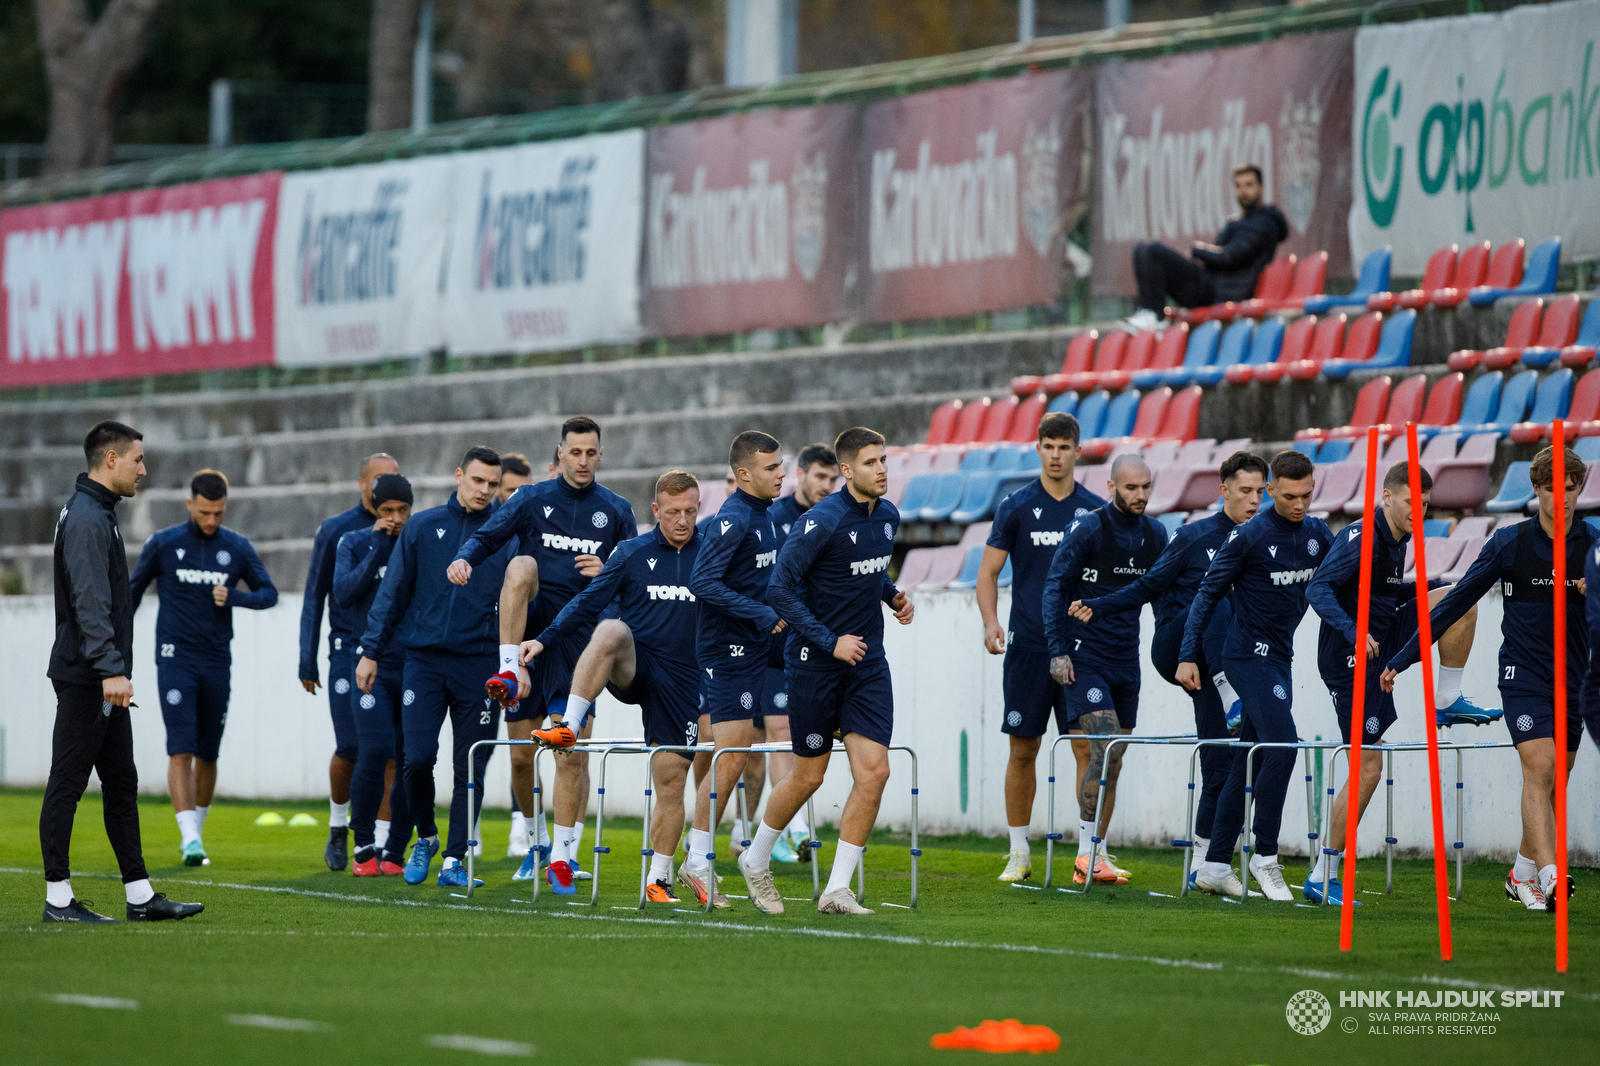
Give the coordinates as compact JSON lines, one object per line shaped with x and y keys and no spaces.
{"x":28,"y":569}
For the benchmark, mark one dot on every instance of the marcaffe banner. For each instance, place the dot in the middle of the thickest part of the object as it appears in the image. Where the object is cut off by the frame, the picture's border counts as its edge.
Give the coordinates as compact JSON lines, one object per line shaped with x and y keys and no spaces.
{"x":1172,"y":130}
{"x":969,"y":192}
{"x":748,"y":221}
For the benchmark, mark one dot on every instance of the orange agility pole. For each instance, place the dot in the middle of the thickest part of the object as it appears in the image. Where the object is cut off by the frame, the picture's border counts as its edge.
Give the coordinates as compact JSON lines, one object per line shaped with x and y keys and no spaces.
{"x":1425,"y":642}
{"x":1559,"y":558}
{"x":1358,"y":701}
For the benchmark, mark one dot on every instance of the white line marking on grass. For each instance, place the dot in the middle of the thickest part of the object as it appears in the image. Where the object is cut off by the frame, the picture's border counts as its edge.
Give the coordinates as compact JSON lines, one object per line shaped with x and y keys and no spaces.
{"x":105,"y":1002}
{"x":267,"y":1021}
{"x":482,"y":1045}
{"x":837,"y":934}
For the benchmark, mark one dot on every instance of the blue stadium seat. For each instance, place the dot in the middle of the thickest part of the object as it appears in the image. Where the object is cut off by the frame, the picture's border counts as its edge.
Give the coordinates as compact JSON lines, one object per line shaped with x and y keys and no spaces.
{"x":1307,"y":448}
{"x":976,"y":459}
{"x":1587,"y":449}
{"x":918,"y":491}
{"x":968,"y":578}
{"x":1011,"y":457}
{"x":1092,"y":413}
{"x":1120,"y":413}
{"x":1064,"y":404}
{"x":1231,"y":350}
{"x":1513,"y":407}
{"x":1202,"y":351}
{"x":1335,"y":451}
{"x":1268,"y":342}
{"x":1553,"y":399}
{"x":945,"y":497}
{"x":1031,"y":461}
{"x":1374,"y":279}
{"x":1172,"y":520}
{"x":1436,"y":527}
{"x":1544,"y":262}
{"x":1479,"y":406}
{"x":1516,"y":490}
{"x":984,"y":491}
{"x":1394,"y":348}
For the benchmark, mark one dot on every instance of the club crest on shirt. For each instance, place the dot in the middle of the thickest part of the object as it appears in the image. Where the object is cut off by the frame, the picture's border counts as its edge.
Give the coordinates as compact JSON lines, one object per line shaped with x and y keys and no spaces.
{"x":888,"y":531}
{"x":599,"y":519}
{"x":1312,"y":546}
{"x":223,"y":558}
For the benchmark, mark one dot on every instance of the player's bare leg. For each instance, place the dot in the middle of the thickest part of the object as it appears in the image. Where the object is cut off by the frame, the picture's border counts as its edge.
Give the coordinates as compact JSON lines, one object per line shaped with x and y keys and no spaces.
{"x":1101,"y":762}
{"x":669,"y":778}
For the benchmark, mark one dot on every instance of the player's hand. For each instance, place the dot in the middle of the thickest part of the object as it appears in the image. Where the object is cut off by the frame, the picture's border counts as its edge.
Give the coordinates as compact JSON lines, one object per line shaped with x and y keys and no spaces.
{"x":528,"y":651}
{"x":994,"y":639}
{"x":117,"y":691}
{"x":588,"y":565}
{"x":310,"y":686}
{"x":1081,"y":611}
{"x":366,"y":673}
{"x":219,"y":595}
{"x":1061,"y":669}
{"x":904,"y":609}
{"x":524,"y":682}
{"x":779,"y":627}
{"x":849,"y":649}
{"x":460,"y":572}
{"x":1372,"y":649}
{"x":1189,"y":676}
{"x":1386,"y":680}
{"x":1583,"y":586}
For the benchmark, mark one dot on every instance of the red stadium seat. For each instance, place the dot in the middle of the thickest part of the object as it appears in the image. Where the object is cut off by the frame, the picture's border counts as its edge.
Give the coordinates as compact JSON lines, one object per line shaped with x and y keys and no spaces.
{"x":942,"y":423}
{"x":1405,"y":405}
{"x":1140,"y":351}
{"x":1371,"y":403}
{"x":1520,"y":332}
{"x":1326,"y":343}
{"x":1025,"y":422}
{"x":1170,"y":347}
{"x":998,"y":423}
{"x":1362,"y":340}
{"x":1107,"y":357}
{"x":1080,"y":350}
{"x":1471,"y":269}
{"x":1310,"y":278}
{"x":1438,"y":273}
{"x":1296,"y":345}
{"x":1182,"y":419}
{"x":1558,"y":330}
{"x":1444,"y":403}
{"x":1271,"y":284}
{"x":969,"y":422}
{"x":1583,"y":417}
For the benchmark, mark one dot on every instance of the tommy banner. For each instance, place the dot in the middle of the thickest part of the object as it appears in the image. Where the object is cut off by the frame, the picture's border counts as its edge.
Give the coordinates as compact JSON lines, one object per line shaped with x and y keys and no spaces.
{"x":749,"y":221}
{"x":544,"y":245}
{"x":970,"y":191}
{"x":158,"y":281}
{"x":1171,"y":131}
{"x":359,"y":262}
{"x":1482,"y":127}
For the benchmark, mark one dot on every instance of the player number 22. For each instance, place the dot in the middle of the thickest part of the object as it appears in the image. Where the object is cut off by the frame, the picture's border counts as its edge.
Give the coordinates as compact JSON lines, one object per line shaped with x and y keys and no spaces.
{"x":167,"y":651}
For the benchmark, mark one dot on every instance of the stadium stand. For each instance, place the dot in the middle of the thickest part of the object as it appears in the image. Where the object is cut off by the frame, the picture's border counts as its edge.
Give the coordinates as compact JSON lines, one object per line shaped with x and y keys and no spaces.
{"x":1544,"y":263}
{"x":1438,"y":274}
{"x":1552,"y":401}
{"x":1472,"y":270}
{"x":1558,"y":331}
{"x":1524,"y":327}
{"x":1373,"y":279}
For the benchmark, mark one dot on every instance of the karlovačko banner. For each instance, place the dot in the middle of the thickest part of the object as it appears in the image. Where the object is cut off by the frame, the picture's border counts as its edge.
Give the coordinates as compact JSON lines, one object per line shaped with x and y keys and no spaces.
{"x":544,"y":245}
{"x":1481,"y":127}
{"x":1172,"y":130}
{"x":969,"y":191}
{"x":358,"y":263}
{"x":749,"y":221}
{"x":158,"y":281}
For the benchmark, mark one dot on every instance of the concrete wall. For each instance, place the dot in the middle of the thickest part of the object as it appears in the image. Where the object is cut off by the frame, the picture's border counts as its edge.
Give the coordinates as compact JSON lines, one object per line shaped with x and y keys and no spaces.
{"x":948,"y":706}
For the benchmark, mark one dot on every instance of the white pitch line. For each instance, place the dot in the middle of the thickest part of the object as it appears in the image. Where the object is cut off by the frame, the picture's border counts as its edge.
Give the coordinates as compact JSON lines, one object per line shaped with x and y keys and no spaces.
{"x":106,"y":1002}
{"x":267,"y":1021}
{"x":842,"y":934}
{"x":481,"y":1044}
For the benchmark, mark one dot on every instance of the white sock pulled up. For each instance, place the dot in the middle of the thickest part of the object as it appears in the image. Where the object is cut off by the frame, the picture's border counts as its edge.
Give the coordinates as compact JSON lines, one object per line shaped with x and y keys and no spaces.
{"x":380,"y":834}
{"x":1085,"y":835}
{"x":188,"y":826}
{"x":845,"y":861}
{"x":1447,"y":685}
{"x":338,"y":814}
{"x":699,"y":848}
{"x":1019,"y":837}
{"x":139,"y":892}
{"x":58,"y":893}
{"x":760,"y":850}
{"x":1225,"y":690}
{"x":661,"y":867}
{"x":577,"y":710}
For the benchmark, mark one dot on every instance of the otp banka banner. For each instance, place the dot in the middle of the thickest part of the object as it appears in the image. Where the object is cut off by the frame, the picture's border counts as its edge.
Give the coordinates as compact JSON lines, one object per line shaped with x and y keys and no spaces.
{"x":544,"y":245}
{"x":1484,"y":127}
{"x":359,"y":260}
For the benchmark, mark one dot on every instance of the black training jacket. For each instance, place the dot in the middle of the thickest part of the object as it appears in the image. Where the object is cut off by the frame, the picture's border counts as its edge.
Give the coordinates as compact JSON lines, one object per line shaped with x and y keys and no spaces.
{"x":1246,"y":245}
{"x":94,"y":607}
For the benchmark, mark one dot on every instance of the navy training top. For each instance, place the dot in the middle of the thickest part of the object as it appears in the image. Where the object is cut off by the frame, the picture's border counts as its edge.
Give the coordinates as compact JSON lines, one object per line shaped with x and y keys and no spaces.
{"x":185,"y":565}
{"x":1176,"y":575}
{"x":359,"y":566}
{"x":1089,"y":561}
{"x":319,"y":586}
{"x":1029,"y":525}
{"x":730,"y":578}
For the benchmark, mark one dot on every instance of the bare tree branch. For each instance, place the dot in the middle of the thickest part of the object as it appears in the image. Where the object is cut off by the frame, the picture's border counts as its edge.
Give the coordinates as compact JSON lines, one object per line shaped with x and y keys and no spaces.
{"x":87,"y":62}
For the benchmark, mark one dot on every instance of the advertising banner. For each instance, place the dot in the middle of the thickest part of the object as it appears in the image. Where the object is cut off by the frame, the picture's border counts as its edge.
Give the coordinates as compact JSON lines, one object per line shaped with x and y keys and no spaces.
{"x":544,"y":245}
{"x":969,"y":192}
{"x":1172,"y":130}
{"x":749,"y":221}
{"x":359,"y":262}
{"x":158,"y":281}
{"x":1482,"y":127}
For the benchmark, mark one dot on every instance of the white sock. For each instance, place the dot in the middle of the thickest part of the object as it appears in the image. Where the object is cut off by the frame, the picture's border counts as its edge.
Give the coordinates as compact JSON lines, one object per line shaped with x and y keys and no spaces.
{"x":797,"y":824}
{"x":58,"y":893}
{"x":380,"y":834}
{"x":1225,"y":690}
{"x":1523,"y":869}
{"x":1447,"y":686}
{"x":845,"y":861}
{"x":565,"y":835}
{"x":1019,"y":837}
{"x":188,"y":825}
{"x":699,"y":847}
{"x":139,"y":892}
{"x":1201,"y":846}
{"x":1215,"y":869}
{"x":338,"y":814}
{"x":1319,"y":872}
{"x":1547,"y":879}
{"x":577,"y":709}
{"x":661,"y":867}
{"x":544,"y":832}
{"x":508,"y":657}
{"x":202,"y":812}
{"x":519,"y":827}
{"x":448,"y":863}
{"x":760,"y":850}
{"x":1085,"y":834}
{"x":576,"y":846}
{"x":738,"y":829}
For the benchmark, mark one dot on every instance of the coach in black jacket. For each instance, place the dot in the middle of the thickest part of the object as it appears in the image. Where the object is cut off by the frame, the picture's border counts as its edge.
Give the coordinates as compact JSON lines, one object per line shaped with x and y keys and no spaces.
{"x":1212,"y":273}
{"x":89,"y":666}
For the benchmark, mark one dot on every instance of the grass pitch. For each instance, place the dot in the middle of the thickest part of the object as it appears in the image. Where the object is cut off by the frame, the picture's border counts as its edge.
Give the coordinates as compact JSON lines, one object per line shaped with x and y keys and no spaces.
{"x":292,"y":963}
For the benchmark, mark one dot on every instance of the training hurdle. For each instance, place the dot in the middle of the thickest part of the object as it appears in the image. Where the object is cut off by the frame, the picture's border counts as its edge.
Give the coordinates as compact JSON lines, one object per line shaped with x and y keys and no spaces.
{"x":811,"y":844}
{"x":1113,"y":739}
{"x":537,"y":817}
{"x":1187,"y":842}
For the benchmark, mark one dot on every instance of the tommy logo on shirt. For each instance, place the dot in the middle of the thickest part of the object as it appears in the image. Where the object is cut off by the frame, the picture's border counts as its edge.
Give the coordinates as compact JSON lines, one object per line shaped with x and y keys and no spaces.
{"x":670,"y":592}
{"x":765,"y":559}
{"x":870,"y":566}
{"x":571,"y":544}
{"x":1048,"y":538}
{"x":200,"y":577}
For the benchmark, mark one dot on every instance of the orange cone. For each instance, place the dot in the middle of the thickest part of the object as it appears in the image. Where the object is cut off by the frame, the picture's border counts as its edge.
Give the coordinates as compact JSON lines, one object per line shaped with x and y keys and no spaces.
{"x":999,"y":1038}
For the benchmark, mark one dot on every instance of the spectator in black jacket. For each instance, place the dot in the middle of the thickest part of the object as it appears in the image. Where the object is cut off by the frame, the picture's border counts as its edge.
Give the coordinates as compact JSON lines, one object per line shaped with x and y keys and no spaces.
{"x":90,"y":665}
{"x":1211,"y":273}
